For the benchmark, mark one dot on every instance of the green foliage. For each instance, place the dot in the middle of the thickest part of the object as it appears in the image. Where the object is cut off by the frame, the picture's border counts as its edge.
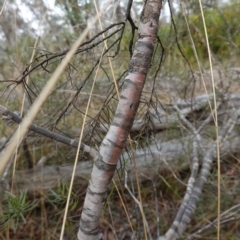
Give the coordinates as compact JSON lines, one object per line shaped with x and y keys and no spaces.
{"x":15,"y":210}
{"x":76,"y":12}
{"x":222,"y":28}
{"x":224,"y":38}
{"x":59,"y":196}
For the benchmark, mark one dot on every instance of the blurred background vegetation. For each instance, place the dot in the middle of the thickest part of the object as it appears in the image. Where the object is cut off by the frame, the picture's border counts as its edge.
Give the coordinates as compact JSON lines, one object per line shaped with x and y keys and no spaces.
{"x":35,"y":25}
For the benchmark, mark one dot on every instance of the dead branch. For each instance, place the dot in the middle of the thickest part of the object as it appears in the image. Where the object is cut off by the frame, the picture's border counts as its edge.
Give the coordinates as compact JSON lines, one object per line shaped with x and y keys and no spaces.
{"x":9,"y":115}
{"x":153,"y":159}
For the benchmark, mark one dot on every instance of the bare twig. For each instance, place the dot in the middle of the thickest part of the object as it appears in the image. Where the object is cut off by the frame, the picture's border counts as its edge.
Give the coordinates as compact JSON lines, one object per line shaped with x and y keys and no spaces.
{"x":225,"y":217}
{"x":180,"y":225}
{"x":138,"y":203}
{"x":9,"y":115}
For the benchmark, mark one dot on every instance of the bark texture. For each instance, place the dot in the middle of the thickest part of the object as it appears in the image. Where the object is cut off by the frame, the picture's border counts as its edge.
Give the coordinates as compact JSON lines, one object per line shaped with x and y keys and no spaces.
{"x":115,"y":140}
{"x":164,"y":156}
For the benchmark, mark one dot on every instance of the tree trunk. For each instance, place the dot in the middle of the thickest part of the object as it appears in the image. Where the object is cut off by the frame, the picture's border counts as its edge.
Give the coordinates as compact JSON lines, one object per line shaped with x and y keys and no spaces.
{"x":115,"y":140}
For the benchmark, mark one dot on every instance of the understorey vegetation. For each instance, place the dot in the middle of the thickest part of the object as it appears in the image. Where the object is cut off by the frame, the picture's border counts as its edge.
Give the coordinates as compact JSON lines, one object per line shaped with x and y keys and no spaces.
{"x":140,"y":129}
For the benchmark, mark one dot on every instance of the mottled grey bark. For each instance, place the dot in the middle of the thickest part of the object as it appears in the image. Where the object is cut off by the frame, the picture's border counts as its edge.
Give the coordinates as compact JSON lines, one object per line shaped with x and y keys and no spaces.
{"x":164,"y":156}
{"x":115,"y":140}
{"x":195,"y":184}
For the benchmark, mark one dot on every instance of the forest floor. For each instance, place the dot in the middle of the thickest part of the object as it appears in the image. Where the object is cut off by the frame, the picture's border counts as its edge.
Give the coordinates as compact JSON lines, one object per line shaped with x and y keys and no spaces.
{"x":39,"y":214}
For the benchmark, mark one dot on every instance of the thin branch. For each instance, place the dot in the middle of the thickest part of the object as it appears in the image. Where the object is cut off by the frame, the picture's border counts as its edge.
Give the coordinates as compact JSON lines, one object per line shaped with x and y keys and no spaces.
{"x":138,"y":203}
{"x":224,"y":218}
{"x":179,"y":226}
{"x":9,"y":115}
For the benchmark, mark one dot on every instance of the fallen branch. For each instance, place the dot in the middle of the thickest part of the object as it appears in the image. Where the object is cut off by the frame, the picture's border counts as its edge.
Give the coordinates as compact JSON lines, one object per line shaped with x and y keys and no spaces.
{"x":166,"y":155}
{"x":164,"y":118}
{"x":161,"y":155}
